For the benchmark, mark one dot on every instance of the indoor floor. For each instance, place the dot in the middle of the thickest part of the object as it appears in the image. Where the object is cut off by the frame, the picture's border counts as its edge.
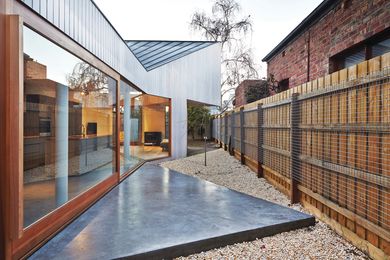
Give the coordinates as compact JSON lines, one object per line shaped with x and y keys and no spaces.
{"x":40,"y":199}
{"x":146,"y":152}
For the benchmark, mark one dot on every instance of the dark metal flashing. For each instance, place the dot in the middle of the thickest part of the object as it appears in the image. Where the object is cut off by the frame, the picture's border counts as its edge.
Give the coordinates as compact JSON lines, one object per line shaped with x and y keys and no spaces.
{"x":318,"y":13}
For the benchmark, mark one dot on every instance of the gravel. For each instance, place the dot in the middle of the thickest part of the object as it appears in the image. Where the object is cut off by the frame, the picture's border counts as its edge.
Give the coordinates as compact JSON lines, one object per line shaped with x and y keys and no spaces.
{"x":316,"y":242}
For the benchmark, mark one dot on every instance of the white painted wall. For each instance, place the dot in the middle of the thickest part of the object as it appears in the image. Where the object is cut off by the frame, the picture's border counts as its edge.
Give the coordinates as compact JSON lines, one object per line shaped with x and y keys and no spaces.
{"x":194,"y":77}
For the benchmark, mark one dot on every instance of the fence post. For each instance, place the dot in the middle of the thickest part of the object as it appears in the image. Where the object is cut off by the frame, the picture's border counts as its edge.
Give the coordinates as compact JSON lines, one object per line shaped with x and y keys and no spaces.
{"x":295,"y":145}
{"x":260,"y":141}
{"x":225,"y":133}
{"x":242,"y":135}
{"x":232,"y":133}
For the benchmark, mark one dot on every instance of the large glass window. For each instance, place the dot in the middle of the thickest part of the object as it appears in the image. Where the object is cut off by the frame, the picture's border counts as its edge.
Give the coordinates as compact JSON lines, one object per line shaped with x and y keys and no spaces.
{"x":155,"y":134}
{"x":130,"y":130}
{"x":69,"y":126}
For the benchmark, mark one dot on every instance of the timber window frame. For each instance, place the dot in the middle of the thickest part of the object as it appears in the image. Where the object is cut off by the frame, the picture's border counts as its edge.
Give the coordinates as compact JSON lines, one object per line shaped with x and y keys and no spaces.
{"x":23,"y":241}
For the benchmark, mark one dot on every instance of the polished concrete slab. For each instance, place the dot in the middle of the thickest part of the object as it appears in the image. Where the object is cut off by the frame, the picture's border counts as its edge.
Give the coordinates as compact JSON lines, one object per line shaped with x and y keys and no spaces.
{"x":158,"y":213}
{"x":146,"y":152}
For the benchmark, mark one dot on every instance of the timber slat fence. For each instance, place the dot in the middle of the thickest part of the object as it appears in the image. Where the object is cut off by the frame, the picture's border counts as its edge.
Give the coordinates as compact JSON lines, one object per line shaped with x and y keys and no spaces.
{"x":326,"y":144}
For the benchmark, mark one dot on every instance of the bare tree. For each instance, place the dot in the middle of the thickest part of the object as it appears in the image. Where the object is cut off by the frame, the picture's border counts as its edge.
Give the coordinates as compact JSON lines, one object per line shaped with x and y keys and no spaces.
{"x":86,"y":79}
{"x":224,"y":26}
{"x":276,"y":86}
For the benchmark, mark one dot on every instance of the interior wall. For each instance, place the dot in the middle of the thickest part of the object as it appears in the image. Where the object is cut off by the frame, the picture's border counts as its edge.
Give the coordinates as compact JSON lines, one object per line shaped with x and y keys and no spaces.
{"x":102,"y":116}
{"x":153,"y":120}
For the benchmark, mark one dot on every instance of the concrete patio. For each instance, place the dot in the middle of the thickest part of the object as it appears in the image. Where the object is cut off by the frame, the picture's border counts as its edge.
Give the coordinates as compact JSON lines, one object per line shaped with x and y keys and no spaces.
{"x":159,"y":213}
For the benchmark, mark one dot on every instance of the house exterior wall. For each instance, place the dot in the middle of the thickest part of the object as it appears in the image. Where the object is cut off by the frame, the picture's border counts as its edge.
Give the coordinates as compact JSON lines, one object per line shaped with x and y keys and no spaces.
{"x":240,"y":97}
{"x":347,"y":24}
{"x":174,"y":81}
{"x":194,"y":77}
{"x":78,"y":27}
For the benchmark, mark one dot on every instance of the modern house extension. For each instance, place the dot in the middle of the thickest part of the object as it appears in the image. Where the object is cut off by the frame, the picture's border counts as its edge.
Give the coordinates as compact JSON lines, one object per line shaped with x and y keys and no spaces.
{"x":81,"y":108}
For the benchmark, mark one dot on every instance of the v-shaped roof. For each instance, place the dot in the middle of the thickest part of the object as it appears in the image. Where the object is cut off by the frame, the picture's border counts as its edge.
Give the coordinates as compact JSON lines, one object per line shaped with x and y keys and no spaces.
{"x":153,"y":54}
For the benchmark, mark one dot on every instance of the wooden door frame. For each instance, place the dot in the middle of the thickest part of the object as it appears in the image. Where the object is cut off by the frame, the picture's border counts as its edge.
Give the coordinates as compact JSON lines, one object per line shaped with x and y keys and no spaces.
{"x":3,"y":251}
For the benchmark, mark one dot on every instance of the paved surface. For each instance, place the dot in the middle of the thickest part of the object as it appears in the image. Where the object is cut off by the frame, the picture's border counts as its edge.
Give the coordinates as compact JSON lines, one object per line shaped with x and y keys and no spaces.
{"x":158,"y":213}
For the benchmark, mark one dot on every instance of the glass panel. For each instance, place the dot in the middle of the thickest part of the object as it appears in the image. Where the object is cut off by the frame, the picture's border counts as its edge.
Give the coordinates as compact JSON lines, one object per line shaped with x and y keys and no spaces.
{"x":155,"y":128}
{"x":69,"y":126}
{"x":130,"y":111}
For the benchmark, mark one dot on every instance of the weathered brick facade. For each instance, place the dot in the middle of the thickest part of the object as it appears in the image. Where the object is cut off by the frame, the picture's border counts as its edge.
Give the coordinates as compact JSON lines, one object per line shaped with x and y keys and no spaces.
{"x":347,"y":23}
{"x":240,"y":98}
{"x":34,"y":69}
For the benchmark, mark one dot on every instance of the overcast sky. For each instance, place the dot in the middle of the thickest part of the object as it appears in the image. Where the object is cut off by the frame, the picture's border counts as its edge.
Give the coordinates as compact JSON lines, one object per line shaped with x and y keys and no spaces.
{"x":169,"y":19}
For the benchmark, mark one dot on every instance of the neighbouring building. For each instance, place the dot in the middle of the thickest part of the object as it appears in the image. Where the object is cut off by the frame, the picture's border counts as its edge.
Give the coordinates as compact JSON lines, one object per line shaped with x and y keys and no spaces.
{"x":81,"y":108}
{"x":241,"y":97}
{"x":337,"y":34}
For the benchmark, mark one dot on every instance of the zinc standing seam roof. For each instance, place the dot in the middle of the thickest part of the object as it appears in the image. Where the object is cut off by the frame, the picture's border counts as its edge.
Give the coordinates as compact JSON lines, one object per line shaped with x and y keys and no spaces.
{"x":153,"y":54}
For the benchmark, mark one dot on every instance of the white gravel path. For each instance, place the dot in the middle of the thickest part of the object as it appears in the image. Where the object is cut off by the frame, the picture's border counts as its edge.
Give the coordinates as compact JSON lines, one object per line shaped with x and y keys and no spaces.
{"x":317,"y":242}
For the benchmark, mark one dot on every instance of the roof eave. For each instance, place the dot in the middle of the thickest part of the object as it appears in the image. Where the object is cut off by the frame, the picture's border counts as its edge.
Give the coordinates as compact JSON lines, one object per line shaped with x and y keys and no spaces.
{"x":320,"y":11}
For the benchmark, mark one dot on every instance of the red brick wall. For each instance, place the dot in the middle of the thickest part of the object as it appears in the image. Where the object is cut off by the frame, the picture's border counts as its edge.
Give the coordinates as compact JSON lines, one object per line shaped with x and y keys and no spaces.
{"x":34,"y":70}
{"x":340,"y":29}
{"x":240,"y":98}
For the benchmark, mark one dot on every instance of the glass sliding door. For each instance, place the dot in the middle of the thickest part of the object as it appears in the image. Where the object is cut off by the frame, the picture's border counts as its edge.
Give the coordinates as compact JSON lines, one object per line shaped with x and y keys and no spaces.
{"x":155,"y":128}
{"x":69,"y":126}
{"x":130,"y":128}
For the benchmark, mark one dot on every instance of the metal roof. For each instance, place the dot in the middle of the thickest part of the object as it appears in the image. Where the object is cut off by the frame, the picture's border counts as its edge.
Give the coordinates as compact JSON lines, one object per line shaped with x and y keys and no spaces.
{"x":153,"y":54}
{"x":312,"y":18}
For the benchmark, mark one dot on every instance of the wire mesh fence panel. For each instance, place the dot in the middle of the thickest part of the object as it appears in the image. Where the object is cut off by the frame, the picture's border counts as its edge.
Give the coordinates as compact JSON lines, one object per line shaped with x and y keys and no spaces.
{"x":344,"y":144}
{"x":229,"y":131}
{"x":215,"y":128}
{"x":228,"y":128}
{"x":237,"y":131}
{"x":276,"y":136}
{"x":251,"y":139}
{"x":222,"y":134}
{"x":329,"y":141}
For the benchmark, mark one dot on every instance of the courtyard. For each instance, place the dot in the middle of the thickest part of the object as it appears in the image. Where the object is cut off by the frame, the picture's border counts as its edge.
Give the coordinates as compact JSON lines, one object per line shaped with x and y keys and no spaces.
{"x":315,"y":242}
{"x":158,"y":213}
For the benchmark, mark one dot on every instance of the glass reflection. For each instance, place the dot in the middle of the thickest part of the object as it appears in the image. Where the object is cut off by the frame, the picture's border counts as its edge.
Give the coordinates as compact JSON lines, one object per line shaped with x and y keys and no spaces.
{"x":69,"y":126}
{"x":130,"y":111}
{"x":155,"y":121}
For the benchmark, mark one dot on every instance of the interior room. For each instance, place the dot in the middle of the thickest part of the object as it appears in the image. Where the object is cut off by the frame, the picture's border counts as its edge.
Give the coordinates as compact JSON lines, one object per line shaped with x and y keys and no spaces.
{"x":150,"y":127}
{"x":70,"y":113}
{"x":69,"y":126}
